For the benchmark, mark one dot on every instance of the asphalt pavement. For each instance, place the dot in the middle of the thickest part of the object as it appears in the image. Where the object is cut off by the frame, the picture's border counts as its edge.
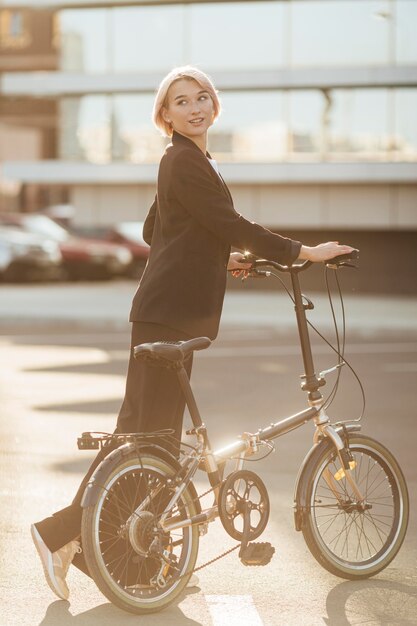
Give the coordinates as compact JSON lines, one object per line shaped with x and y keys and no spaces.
{"x":63,"y":351}
{"x":106,"y":305}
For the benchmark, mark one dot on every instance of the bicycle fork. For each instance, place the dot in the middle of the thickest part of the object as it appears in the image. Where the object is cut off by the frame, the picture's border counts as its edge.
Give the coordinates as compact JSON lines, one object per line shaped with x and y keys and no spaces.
{"x":347,"y":464}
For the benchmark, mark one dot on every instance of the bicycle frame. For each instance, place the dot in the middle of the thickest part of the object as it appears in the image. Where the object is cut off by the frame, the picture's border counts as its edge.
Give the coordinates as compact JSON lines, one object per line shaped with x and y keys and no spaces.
{"x":247,"y":445}
{"x":127,"y":518}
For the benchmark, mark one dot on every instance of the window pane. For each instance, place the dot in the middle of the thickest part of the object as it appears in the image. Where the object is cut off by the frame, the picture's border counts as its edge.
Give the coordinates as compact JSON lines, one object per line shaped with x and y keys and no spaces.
{"x":135,"y":138}
{"x":15,"y":30}
{"x":406,"y":31}
{"x":237,"y":35}
{"x":148,"y":38}
{"x":85,"y":128}
{"x":406,"y":124}
{"x":263,"y":126}
{"x":250,"y":127}
{"x":359,"y":123}
{"x":305,"y":115}
{"x":84,"y":41}
{"x":339,"y":33}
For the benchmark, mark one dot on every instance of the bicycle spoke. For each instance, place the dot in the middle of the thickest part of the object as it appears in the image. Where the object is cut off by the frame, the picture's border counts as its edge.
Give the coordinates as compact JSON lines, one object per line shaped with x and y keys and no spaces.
{"x":352,"y":533}
{"x":358,"y":543}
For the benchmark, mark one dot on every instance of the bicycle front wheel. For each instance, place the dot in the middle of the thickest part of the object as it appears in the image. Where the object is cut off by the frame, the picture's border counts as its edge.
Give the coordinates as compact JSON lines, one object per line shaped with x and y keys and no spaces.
{"x":351,"y":539}
{"x":123,"y":565}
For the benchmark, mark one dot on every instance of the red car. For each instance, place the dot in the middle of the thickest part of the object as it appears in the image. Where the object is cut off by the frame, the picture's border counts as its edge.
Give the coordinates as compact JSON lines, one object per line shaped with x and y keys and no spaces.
{"x":81,"y":257}
{"x":130,"y":234}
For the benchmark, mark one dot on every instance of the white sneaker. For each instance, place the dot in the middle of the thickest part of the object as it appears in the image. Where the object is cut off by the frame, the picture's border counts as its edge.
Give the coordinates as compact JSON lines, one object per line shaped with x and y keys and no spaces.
{"x":55,"y":564}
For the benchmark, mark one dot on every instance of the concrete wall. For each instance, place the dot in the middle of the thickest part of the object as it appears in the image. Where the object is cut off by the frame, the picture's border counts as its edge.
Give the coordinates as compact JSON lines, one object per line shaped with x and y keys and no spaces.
{"x":360,"y":207}
{"x":105,"y":205}
{"x":381,"y":220}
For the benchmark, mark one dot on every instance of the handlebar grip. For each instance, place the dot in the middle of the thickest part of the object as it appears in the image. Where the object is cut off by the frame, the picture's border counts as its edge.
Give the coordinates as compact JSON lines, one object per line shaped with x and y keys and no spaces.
{"x":343,"y":259}
{"x":249,"y":257}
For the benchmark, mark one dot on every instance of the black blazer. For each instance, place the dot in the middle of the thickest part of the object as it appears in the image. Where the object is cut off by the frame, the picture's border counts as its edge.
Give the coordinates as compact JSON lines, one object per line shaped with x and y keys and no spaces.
{"x":191,"y":227}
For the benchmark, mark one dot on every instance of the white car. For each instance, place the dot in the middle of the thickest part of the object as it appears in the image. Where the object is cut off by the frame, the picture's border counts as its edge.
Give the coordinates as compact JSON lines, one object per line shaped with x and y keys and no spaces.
{"x":24,"y":256}
{"x":82,"y":258}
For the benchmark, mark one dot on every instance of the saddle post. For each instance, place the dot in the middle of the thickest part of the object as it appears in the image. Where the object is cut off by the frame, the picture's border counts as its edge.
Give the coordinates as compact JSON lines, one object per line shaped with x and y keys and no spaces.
{"x":189,"y":396}
{"x":200,"y":430}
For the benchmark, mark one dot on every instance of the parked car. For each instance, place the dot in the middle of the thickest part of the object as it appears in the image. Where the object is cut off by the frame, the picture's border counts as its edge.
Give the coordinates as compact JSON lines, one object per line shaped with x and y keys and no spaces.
{"x":24,"y":256}
{"x":130,"y":235}
{"x":82,"y":257}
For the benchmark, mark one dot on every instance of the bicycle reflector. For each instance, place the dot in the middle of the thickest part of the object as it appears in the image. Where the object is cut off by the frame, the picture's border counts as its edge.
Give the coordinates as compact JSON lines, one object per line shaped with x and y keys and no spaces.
{"x":341,"y":473}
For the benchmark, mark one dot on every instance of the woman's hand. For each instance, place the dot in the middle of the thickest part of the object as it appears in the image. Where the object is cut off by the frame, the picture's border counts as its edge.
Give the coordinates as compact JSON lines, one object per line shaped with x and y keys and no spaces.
{"x":237,"y":264}
{"x":323,"y":252}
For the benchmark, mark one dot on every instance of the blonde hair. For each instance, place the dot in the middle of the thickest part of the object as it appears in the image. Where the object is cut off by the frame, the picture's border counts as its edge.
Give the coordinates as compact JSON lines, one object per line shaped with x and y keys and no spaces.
{"x":189,"y":73}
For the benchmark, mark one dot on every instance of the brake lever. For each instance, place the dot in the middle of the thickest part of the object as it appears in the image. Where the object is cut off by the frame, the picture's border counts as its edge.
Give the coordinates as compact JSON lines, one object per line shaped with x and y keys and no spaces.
{"x":344,"y":260}
{"x":337,"y":266}
{"x":255,"y":273}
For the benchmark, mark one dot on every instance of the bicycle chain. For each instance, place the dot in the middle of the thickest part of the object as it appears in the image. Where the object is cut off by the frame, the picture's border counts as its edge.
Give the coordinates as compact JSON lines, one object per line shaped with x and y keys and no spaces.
{"x":211,"y":561}
{"x":216,"y":558}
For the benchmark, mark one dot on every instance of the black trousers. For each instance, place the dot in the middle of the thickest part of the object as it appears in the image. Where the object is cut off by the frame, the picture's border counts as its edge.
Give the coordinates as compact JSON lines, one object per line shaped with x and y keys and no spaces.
{"x":153,"y":400}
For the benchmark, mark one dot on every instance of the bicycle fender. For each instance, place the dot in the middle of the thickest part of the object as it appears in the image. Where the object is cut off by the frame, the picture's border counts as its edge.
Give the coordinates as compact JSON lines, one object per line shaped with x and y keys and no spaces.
{"x":302,"y":481}
{"x":94,"y":488}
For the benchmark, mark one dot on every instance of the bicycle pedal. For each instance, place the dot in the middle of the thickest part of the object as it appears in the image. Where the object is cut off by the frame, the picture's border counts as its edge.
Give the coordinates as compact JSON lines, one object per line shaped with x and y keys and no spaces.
{"x":88,"y":442}
{"x":256,"y":554}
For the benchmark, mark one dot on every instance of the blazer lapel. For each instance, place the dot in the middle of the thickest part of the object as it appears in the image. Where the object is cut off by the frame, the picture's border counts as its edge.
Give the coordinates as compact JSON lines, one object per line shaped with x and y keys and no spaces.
{"x":226,"y":188}
{"x":177,"y":137}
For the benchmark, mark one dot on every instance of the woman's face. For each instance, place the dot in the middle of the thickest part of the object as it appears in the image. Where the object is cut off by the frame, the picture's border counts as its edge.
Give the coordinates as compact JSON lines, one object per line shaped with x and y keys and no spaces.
{"x":190,"y":108}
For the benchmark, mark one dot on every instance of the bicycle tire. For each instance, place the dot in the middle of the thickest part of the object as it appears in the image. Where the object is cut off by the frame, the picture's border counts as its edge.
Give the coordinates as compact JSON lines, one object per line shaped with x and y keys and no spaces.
{"x":347,"y":542}
{"x":120,"y":573}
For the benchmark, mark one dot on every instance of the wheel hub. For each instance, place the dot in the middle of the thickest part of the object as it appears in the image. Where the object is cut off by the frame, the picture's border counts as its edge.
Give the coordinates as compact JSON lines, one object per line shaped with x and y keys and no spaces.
{"x":350,"y":506}
{"x":141,"y":532}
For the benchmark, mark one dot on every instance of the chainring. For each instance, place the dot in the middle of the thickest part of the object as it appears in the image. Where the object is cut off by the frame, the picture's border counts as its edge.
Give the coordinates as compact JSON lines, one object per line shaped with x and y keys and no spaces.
{"x":243,"y":490}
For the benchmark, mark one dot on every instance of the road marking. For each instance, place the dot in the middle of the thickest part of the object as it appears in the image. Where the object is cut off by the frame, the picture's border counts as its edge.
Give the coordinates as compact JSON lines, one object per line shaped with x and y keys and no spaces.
{"x":233,"y":611}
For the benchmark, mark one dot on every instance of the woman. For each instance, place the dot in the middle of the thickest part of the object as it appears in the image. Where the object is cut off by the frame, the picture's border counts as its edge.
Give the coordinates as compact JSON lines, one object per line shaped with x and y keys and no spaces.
{"x":191,"y":227}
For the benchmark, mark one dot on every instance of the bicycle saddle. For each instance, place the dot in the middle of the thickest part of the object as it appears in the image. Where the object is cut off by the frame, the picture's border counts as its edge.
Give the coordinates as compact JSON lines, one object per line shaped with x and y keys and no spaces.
{"x":170,"y":350}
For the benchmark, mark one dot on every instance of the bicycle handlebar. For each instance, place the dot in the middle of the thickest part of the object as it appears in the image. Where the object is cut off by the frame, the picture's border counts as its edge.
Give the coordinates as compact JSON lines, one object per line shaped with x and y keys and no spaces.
{"x":298,"y":267}
{"x":343,"y":260}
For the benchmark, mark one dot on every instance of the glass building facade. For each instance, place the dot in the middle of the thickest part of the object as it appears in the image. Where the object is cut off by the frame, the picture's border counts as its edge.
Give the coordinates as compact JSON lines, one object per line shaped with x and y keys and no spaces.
{"x":255,"y":126}
{"x":319,"y":102}
{"x":318,"y":133}
{"x":295,"y":124}
{"x":239,"y":35}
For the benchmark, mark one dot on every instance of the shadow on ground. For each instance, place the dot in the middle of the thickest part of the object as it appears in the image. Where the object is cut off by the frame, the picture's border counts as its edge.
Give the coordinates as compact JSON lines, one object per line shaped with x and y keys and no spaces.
{"x":108,"y":615}
{"x":376,"y":601}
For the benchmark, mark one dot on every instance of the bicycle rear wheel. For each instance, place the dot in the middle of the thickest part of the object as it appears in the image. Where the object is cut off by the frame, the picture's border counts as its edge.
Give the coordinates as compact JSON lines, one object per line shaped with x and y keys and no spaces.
{"x":347,"y":540}
{"x":121,"y":563}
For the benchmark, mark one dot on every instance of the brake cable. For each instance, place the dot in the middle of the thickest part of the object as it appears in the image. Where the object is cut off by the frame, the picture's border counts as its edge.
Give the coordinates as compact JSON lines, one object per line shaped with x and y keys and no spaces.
{"x":337,"y":351}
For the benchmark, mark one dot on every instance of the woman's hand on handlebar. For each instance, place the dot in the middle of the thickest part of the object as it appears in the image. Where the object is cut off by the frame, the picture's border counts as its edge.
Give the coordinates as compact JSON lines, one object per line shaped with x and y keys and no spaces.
{"x":237,"y":264}
{"x":323,"y":252}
